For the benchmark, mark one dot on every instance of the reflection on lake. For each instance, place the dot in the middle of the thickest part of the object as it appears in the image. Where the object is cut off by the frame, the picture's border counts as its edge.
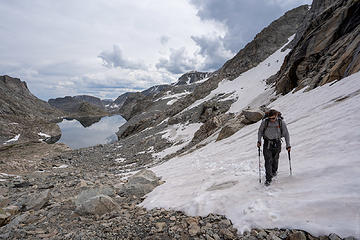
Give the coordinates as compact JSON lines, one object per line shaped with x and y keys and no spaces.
{"x":75,"y":135}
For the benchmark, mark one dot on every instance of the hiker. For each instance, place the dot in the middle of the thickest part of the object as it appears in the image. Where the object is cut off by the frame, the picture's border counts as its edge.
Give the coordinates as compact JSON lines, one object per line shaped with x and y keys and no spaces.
{"x":272,"y":129}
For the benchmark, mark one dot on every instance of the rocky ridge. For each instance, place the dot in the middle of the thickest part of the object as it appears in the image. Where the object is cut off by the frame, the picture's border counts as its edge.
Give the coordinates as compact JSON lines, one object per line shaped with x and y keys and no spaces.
{"x":192,"y":77}
{"x":156,"y":98}
{"x":79,"y":106}
{"x":86,"y":109}
{"x":71,"y":104}
{"x":23,"y":116}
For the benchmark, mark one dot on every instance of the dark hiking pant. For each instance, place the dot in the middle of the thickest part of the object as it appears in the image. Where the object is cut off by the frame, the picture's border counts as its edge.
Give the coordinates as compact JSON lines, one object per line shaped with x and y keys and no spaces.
{"x":271,"y":150}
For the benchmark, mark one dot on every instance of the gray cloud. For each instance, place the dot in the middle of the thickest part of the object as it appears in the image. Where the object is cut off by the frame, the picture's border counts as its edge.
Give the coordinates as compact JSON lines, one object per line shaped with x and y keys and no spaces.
{"x":243,"y":20}
{"x":115,"y":58}
{"x":178,"y":62}
{"x":164,"y":40}
{"x":212,"y":49}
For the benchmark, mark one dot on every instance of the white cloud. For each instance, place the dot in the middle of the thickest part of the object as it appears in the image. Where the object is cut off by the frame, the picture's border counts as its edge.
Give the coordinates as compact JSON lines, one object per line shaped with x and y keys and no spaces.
{"x":243,"y":19}
{"x":115,"y":58}
{"x":178,"y":62}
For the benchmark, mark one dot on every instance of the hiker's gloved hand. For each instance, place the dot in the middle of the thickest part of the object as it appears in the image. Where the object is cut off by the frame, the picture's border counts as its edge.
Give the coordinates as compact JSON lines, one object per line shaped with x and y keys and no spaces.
{"x":288,"y":149}
{"x":258,"y":144}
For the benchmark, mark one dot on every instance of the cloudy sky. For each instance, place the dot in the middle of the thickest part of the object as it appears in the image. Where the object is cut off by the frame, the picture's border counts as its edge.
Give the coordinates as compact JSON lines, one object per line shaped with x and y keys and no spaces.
{"x":107,"y":47}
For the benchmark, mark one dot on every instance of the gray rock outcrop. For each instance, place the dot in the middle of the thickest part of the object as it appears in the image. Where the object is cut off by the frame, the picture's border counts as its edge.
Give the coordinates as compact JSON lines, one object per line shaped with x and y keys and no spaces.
{"x":231,"y":127}
{"x":140,"y":184}
{"x":253,"y":116}
{"x":210,"y":127}
{"x":37,"y":201}
{"x":235,"y":123}
{"x":328,"y":49}
{"x":71,"y":104}
{"x":96,"y":201}
{"x":192,"y":77}
{"x":97,"y":205}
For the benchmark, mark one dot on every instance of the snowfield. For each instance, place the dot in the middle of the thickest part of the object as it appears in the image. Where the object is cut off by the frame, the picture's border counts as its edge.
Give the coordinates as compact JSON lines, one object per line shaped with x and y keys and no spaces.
{"x":250,"y":84}
{"x":323,"y":194}
{"x":179,"y":135}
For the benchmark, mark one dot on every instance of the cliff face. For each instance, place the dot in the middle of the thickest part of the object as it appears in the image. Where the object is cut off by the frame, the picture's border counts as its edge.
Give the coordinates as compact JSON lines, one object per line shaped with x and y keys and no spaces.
{"x":22,"y":113}
{"x":328,"y":48}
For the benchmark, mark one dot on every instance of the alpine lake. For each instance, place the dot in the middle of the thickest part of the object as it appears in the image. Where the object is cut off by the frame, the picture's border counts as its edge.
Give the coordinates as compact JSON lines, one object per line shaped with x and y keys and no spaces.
{"x":86,"y":132}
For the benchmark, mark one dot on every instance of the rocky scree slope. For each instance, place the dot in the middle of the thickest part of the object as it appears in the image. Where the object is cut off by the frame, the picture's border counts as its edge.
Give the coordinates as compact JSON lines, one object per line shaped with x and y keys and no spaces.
{"x":23,"y":113}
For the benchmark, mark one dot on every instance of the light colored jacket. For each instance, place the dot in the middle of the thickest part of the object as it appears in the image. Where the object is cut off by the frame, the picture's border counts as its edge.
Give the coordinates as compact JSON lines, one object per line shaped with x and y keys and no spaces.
{"x":273,"y":131}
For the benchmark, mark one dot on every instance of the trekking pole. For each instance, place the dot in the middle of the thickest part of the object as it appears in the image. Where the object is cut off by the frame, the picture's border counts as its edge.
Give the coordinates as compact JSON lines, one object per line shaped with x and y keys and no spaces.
{"x":259,"y":167}
{"x":290,"y":163}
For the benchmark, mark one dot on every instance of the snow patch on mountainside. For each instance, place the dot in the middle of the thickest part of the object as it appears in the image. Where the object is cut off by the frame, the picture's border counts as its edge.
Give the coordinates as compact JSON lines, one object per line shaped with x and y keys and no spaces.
{"x":14,"y":139}
{"x":179,"y":135}
{"x":173,"y":97}
{"x":249,"y":84}
{"x":44,"y":135}
{"x":321,"y":197}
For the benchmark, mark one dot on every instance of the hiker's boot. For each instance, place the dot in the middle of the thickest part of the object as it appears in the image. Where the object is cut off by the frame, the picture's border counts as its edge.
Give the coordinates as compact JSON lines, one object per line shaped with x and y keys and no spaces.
{"x":267,"y":182}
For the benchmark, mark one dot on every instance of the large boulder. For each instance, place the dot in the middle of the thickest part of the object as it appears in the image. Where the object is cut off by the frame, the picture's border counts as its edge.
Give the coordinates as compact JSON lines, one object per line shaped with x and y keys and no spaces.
{"x":234,"y":124}
{"x":140,"y":184}
{"x":210,"y":127}
{"x":7,"y":213}
{"x":96,"y":201}
{"x":97,"y":205}
{"x":231,"y":127}
{"x":4,"y":218}
{"x":252,"y":115}
{"x":37,"y":201}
